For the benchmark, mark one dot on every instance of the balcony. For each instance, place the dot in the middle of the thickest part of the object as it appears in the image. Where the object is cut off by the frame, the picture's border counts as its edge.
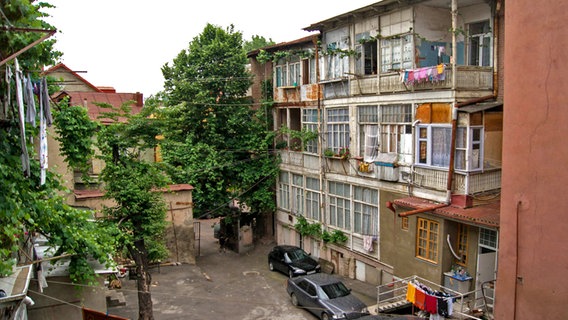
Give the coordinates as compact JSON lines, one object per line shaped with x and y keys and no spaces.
{"x":463,"y":182}
{"x":469,"y":78}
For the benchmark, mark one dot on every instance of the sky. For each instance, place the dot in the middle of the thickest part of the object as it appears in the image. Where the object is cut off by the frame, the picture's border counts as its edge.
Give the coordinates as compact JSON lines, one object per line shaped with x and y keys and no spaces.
{"x":124,"y":43}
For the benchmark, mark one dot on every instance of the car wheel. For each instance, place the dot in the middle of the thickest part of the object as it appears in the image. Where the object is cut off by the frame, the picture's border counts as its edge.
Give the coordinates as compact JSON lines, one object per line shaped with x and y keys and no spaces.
{"x":290,"y":273}
{"x":270,"y":266}
{"x":324,"y":316}
{"x":294,"y":300}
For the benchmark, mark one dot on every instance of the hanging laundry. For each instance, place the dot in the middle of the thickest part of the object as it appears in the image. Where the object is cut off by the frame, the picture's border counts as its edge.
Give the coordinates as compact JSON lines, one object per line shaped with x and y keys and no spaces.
{"x":30,"y":101}
{"x":368,"y":243}
{"x":20,"y":100}
{"x":410,"y":293}
{"x":44,"y":96}
{"x":420,"y":299}
{"x":431,"y":304}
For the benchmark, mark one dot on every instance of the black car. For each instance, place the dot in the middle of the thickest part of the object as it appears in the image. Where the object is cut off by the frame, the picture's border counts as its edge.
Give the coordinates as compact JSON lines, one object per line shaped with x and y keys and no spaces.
{"x":326,"y":297}
{"x":292,"y":261}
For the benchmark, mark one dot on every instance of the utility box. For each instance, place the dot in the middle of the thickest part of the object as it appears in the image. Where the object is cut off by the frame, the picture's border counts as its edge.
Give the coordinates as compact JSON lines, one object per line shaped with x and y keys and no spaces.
{"x":458,"y":284}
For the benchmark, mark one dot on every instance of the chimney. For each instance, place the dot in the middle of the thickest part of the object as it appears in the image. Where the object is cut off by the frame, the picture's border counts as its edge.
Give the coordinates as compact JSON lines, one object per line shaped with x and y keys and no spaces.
{"x":139,"y":97}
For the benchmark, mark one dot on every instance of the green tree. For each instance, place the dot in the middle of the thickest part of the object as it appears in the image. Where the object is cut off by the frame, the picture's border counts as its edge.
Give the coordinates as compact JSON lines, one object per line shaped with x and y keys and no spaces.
{"x":134,"y":184}
{"x":28,"y":207}
{"x":217,"y":140}
{"x":257,"y":42}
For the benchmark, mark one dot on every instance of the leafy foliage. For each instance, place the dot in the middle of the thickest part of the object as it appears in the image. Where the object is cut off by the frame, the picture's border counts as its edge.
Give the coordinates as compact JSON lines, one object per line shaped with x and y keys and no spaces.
{"x":315,"y":231}
{"x":214,"y":140}
{"x":26,"y":207}
{"x":75,"y":132}
{"x":257,"y":42}
{"x":131,"y":181}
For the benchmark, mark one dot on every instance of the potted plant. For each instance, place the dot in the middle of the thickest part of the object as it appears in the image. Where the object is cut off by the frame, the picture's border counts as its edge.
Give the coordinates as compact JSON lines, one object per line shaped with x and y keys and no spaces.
{"x":343,"y":153}
{"x":328,"y":153}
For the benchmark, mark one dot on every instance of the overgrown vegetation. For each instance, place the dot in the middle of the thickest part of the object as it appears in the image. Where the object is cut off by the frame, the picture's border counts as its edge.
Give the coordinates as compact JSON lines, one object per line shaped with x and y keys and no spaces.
{"x":316,"y":231}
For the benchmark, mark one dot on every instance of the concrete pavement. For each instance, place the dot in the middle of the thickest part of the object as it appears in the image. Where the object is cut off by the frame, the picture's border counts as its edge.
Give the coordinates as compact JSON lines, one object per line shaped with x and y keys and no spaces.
{"x":223,"y":285}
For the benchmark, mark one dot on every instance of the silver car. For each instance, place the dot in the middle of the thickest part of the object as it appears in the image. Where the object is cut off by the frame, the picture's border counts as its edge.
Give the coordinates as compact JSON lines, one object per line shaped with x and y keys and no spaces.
{"x":325,"y":296}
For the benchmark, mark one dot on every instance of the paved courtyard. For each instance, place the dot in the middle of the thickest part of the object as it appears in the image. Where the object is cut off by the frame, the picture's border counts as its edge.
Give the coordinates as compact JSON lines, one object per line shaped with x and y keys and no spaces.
{"x":220,"y":286}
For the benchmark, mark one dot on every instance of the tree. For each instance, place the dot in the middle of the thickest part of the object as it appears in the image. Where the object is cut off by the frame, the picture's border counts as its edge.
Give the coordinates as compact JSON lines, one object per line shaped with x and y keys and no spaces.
{"x":134,"y":184}
{"x":257,"y":42}
{"x":216,"y":141}
{"x":28,"y":207}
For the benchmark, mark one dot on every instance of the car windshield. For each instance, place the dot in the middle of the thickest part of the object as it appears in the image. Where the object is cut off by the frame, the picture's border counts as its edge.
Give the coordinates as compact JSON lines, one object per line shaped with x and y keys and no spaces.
{"x":296,"y":255}
{"x":335,"y":290}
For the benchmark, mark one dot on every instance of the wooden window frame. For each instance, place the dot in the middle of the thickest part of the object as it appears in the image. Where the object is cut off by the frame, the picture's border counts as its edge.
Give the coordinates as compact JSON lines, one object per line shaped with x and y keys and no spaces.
{"x":462,"y":244}
{"x":427,"y":240}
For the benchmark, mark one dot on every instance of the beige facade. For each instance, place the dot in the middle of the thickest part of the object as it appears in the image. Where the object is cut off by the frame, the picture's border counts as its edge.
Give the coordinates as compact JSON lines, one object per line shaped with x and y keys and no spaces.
{"x":385,"y":85}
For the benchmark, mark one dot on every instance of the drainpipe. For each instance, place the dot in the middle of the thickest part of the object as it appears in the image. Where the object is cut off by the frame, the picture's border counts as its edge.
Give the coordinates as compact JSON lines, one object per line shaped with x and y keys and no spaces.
{"x":422,"y":210}
{"x":454,"y":109}
{"x":320,"y":138}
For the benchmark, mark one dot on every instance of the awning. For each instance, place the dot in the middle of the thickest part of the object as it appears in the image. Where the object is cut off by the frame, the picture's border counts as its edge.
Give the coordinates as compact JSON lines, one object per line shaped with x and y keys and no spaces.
{"x":482,"y":106}
{"x":485,"y":215}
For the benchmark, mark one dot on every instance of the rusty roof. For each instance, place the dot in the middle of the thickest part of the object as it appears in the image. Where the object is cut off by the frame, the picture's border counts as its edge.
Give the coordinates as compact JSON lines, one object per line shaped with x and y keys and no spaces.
{"x":89,"y":99}
{"x":486,"y":214}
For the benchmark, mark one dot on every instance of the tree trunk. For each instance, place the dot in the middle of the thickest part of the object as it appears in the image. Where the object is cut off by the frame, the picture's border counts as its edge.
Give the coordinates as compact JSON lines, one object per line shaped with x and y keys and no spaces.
{"x":143,"y":280}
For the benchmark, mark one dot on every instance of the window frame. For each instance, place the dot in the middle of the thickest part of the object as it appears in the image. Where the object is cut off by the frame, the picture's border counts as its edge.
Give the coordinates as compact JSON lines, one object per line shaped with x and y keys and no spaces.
{"x":462,"y":244}
{"x":429,"y":149}
{"x":480,"y":44}
{"x":427,"y":242}
{"x":310,"y":121}
{"x":367,"y":50}
{"x":396,"y":129}
{"x":313,"y":199}
{"x":297,"y":194}
{"x":337,"y":128}
{"x":369,"y":138}
{"x":339,"y":204}
{"x":397,"y":53}
{"x":365,"y":206}
{"x":284,"y":190}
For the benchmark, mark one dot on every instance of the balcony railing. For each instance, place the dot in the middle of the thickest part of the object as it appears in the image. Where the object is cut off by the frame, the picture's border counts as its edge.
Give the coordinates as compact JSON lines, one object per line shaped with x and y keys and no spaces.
{"x":468,"y":78}
{"x":463,"y":182}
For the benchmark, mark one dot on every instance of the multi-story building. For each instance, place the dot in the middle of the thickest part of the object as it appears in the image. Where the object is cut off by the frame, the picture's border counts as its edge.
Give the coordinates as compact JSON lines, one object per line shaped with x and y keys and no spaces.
{"x":406,"y":101}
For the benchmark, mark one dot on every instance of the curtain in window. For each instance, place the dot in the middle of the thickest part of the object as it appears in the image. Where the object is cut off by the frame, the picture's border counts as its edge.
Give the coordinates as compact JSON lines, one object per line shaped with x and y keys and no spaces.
{"x":441,"y":139}
{"x":371,"y":142}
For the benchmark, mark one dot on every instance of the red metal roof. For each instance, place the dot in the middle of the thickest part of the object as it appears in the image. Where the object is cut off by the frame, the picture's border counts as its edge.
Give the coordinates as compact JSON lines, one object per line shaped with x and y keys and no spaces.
{"x":89,"y":99}
{"x":486,"y":215}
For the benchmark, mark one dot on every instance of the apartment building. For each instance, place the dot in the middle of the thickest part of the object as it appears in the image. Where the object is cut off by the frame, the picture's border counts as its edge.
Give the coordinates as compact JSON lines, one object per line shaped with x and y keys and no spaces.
{"x":406,"y":159}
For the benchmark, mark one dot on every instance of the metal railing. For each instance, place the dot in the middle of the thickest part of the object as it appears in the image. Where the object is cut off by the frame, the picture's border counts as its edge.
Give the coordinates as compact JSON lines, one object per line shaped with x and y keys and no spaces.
{"x":393,"y":295}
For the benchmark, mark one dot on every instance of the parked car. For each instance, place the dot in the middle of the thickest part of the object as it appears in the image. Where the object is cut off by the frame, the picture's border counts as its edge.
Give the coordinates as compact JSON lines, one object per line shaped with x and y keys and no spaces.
{"x":325,"y":296}
{"x":292,"y":260}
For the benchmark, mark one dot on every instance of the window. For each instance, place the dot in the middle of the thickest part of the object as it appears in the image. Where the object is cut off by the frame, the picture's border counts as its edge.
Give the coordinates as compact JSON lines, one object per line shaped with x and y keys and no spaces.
{"x":284,"y":190}
{"x":281,"y":73}
{"x":469,"y":148}
{"x":368,"y":117}
{"x":396,"y":129}
{"x":365,"y":211}
{"x":463,"y":230}
{"x":310,"y":123}
{"x":427,"y":240}
{"x":479,"y":43}
{"x":488,"y":238}
{"x":312,"y":198}
{"x":433,"y":145}
{"x":366,"y":58}
{"x":404,"y":223}
{"x":397,"y":53}
{"x":297,"y":194}
{"x":295,"y":74}
{"x":339,"y":205}
{"x":337,"y":129}
{"x":335,"y":62}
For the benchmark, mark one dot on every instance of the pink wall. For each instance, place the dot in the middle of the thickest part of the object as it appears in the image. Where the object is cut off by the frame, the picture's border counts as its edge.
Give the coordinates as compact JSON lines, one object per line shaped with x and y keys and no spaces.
{"x":532,"y":280}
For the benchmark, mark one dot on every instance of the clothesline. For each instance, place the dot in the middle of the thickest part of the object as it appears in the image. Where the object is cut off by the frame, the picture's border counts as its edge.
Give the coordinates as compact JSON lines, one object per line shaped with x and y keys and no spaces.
{"x":425,"y":74}
{"x":438,"y":304}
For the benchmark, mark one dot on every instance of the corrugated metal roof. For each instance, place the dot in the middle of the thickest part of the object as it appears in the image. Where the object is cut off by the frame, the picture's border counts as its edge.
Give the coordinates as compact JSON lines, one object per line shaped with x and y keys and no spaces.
{"x":89,"y":99}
